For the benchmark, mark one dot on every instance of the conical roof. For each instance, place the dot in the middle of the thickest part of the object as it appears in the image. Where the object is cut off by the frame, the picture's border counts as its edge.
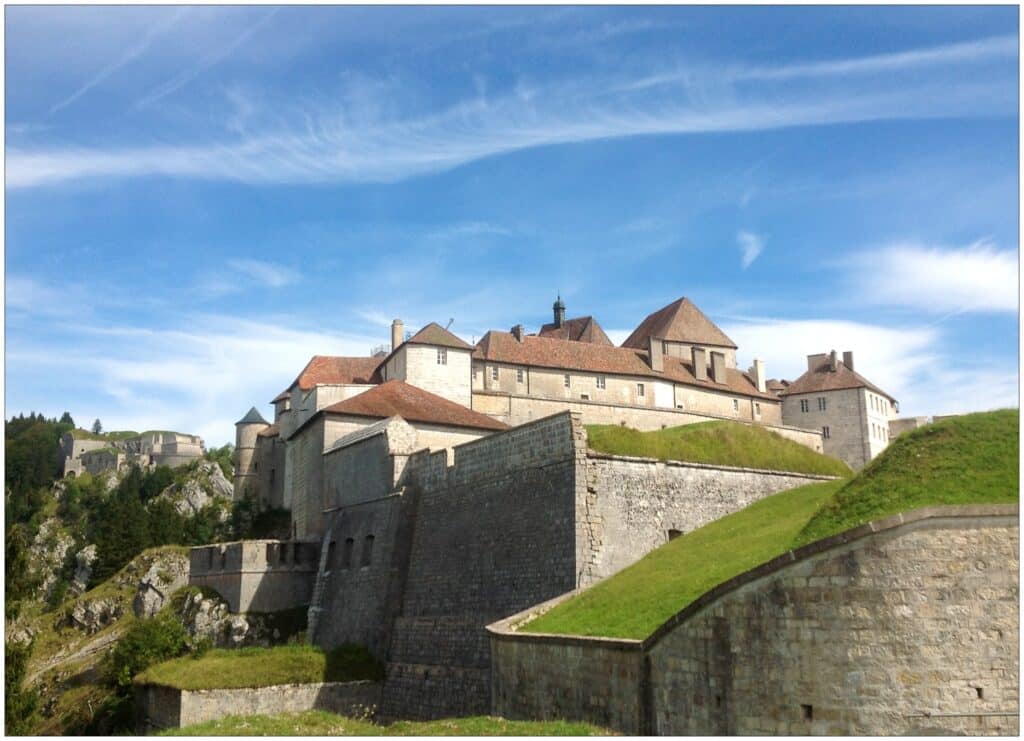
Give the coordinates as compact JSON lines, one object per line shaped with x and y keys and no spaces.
{"x":253,"y":417}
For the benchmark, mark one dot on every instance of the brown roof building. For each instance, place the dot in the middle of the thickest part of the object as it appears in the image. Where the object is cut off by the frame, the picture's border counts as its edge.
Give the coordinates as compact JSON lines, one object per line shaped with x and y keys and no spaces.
{"x":580,"y":329}
{"x":398,"y":398}
{"x":681,"y":321}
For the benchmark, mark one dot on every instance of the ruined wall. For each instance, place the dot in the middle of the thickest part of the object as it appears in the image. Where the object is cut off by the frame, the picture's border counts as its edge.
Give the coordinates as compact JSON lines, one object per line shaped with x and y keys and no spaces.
{"x":632,"y":504}
{"x":256,"y":575}
{"x":494,"y":533}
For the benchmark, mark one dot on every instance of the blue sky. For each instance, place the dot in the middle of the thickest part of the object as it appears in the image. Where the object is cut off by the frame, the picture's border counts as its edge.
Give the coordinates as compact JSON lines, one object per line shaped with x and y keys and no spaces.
{"x":200,"y":198}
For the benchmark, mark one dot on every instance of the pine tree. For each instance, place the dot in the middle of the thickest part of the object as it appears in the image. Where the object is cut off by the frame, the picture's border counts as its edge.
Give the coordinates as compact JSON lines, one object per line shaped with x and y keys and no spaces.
{"x":66,"y":419}
{"x":97,"y":427}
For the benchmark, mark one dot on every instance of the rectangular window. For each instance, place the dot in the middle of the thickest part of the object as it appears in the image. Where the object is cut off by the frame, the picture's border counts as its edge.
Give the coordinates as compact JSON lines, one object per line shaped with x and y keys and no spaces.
{"x":367,"y":551}
{"x":805,"y":406}
{"x":519,"y":375}
{"x":494,"y":373}
{"x":565,"y":380}
{"x":442,"y":356}
{"x":821,"y":403}
{"x":735,"y":405}
{"x":826,"y":433}
{"x":640,"y":390}
{"x":346,"y":553}
{"x":600,"y":382}
{"x":757,"y":409}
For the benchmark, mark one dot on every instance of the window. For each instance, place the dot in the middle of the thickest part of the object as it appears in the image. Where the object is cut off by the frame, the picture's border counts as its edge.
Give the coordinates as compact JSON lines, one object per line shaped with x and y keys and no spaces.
{"x":475,"y":369}
{"x":585,"y":397}
{"x":821,"y":403}
{"x":735,"y":405}
{"x":805,"y":405}
{"x":442,"y":356}
{"x":565,"y":380}
{"x":757,"y":408}
{"x":494,"y":373}
{"x":600,"y":382}
{"x":346,"y":554}
{"x":519,"y":375}
{"x":367,"y":551}
{"x":826,"y":433}
{"x":640,"y":390}
{"x":331,"y":554}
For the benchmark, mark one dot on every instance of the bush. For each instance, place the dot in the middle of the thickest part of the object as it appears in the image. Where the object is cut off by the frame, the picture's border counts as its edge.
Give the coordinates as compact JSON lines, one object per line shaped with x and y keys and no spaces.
{"x":146,"y":643}
{"x":19,"y":702}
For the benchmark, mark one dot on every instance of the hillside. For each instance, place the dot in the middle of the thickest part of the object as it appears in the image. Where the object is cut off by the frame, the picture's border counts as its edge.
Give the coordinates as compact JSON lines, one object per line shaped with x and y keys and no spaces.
{"x":723,"y":443}
{"x":964,"y":460}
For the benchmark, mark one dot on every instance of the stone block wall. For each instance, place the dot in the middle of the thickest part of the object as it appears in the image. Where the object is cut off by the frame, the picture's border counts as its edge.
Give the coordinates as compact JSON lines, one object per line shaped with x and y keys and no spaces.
{"x":257,"y":575}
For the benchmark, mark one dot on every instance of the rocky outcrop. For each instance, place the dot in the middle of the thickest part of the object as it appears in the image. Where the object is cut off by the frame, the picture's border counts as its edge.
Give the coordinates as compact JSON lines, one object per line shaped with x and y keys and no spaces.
{"x":204,"y":486}
{"x":163,"y":579}
{"x":206,"y":617}
{"x":92,"y":616}
{"x":47,"y":554}
{"x":84,"y":561}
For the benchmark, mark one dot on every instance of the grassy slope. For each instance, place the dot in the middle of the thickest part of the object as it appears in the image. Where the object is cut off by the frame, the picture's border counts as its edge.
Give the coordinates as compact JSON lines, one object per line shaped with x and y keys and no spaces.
{"x":969,"y":459}
{"x":263,"y":667}
{"x":319,"y":723}
{"x":724,"y":443}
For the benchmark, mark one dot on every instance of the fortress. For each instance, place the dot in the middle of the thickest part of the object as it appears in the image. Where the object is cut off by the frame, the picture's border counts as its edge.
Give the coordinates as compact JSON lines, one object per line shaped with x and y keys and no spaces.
{"x":82,"y":451}
{"x":439,"y":487}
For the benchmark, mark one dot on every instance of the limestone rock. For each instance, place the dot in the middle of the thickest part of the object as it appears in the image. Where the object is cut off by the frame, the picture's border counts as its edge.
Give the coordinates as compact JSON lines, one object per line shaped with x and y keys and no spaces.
{"x":47,"y":553}
{"x":84,"y":561}
{"x":93,"y":616}
{"x":209,"y":618}
{"x":163,"y":578}
{"x":204,"y":486}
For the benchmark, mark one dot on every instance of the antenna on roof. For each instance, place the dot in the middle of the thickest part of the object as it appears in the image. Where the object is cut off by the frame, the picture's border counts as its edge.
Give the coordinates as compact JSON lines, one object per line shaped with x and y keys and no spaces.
{"x":449,"y":323}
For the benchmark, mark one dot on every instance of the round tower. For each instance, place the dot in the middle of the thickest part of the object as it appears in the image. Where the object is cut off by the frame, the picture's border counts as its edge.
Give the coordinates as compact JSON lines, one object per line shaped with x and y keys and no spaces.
{"x":246,"y":430}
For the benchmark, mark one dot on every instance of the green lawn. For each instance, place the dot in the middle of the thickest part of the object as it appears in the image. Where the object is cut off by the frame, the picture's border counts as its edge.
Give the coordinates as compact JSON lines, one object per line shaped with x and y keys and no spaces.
{"x":319,"y":723}
{"x":964,"y":460}
{"x":264,"y":667}
{"x":723,"y":443}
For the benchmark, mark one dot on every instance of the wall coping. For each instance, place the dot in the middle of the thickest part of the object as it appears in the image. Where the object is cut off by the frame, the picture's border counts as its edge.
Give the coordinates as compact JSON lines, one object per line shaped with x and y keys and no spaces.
{"x":275,"y":687}
{"x":597,"y":455}
{"x":506,"y":629}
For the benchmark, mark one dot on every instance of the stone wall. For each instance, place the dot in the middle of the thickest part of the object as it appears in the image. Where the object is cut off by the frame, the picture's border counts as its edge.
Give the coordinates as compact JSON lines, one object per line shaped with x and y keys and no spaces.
{"x":257,"y":575}
{"x":419,"y":366}
{"x":157,"y":707}
{"x":857,"y":421}
{"x":907,"y":625}
{"x":631,"y":505}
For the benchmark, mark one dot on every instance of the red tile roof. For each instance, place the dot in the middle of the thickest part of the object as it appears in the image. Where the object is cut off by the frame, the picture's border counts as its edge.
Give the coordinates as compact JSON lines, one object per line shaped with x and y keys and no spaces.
{"x":822,"y":378}
{"x":332,"y":369}
{"x":680,"y":321}
{"x":412,"y":404}
{"x":580,"y":329}
{"x":435,"y":334}
{"x":544,"y":352}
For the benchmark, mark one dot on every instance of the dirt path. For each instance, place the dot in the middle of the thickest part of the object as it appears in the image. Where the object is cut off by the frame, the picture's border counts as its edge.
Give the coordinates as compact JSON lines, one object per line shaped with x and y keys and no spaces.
{"x":95,"y":646}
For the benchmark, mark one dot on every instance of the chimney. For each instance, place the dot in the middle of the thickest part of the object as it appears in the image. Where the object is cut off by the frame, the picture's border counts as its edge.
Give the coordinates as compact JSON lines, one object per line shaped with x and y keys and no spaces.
{"x":814,"y":361}
{"x":848,"y":359}
{"x":517,"y":331}
{"x":718,"y":367}
{"x":654,"y":348}
{"x":559,"y":309}
{"x":397,"y":334}
{"x":700,"y":363}
{"x":757,"y":372}
{"x":833,"y":361}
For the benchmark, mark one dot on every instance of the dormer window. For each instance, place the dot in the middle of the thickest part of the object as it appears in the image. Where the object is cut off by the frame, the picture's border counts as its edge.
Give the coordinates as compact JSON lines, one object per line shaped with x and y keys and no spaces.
{"x":442,"y":356}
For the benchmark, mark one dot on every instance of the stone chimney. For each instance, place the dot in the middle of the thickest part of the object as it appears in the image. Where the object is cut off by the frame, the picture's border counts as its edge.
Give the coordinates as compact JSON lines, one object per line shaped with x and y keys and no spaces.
{"x":517,"y":332}
{"x":718,"y":367}
{"x":654,"y":348}
{"x":757,"y":373}
{"x":397,"y":334}
{"x":559,"y":309}
{"x":815,"y":361}
{"x":848,"y":359}
{"x":833,"y":361}
{"x":700,"y":363}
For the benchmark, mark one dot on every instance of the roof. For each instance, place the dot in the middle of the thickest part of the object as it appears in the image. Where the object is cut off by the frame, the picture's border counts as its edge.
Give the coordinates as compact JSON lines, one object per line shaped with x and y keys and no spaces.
{"x":281,"y":396}
{"x":332,"y":369}
{"x":823,"y":378}
{"x":580,"y":329}
{"x":776,"y":386}
{"x":252,"y":417}
{"x":680,"y":321}
{"x":413,"y":404}
{"x":544,"y":352}
{"x":435,"y":334}
{"x":272,"y":431}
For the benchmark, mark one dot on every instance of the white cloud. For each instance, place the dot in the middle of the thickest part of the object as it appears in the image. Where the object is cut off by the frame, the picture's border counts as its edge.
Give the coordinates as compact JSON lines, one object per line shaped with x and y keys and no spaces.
{"x":976,"y":278}
{"x":356,"y":139}
{"x":264,"y":273}
{"x":751,"y":245}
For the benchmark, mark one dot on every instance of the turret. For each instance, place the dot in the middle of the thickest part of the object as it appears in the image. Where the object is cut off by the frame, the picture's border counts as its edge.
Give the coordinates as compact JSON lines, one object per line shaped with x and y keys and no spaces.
{"x":559,"y":309}
{"x":246,"y":430}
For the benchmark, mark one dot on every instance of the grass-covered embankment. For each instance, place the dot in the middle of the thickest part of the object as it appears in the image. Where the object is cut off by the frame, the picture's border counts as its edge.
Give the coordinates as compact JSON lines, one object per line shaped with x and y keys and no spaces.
{"x":720,"y":443}
{"x":264,"y":667}
{"x":319,"y":723}
{"x":972,"y":459}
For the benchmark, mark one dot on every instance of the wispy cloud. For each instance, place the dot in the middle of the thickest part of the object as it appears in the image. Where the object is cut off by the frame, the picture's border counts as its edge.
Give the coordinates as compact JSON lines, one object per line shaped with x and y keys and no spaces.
{"x":936,"y":279}
{"x":351,"y":141}
{"x":242,"y":274}
{"x":751,"y":245}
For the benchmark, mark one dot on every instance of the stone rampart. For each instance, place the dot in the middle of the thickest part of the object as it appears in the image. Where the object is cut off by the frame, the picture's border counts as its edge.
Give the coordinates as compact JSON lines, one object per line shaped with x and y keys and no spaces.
{"x":257,"y":575}
{"x":157,"y":707}
{"x":908,"y":625}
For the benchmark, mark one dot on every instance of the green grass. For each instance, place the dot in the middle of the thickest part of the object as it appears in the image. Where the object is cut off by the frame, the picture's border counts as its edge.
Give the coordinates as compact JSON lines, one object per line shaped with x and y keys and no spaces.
{"x":264,"y":667}
{"x":971,"y":459}
{"x":634,"y":602}
{"x":320,"y":723}
{"x":722,"y":443}
{"x":113,"y":435}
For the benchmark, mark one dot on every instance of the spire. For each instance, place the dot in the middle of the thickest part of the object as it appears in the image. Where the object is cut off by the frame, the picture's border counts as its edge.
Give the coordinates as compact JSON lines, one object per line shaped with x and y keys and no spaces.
{"x":252,"y":417}
{"x":559,"y":309}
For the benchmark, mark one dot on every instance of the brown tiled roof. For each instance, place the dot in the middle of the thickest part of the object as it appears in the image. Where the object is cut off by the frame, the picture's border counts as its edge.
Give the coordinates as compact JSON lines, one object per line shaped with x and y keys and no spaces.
{"x":544,"y":352}
{"x":822,"y":378}
{"x":681,"y":321}
{"x":580,"y":329}
{"x":282,"y":396}
{"x":332,"y":369}
{"x":775,"y":386}
{"x":412,"y":404}
{"x":435,"y":334}
{"x":271,"y":431}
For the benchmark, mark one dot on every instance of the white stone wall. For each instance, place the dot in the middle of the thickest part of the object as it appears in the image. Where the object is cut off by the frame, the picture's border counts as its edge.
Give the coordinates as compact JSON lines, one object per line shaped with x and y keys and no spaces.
{"x":418,"y":365}
{"x":858,"y":422}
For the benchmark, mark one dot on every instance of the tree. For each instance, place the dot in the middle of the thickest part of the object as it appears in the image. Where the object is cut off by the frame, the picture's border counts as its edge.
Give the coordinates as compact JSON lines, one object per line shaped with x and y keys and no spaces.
{"x":65,"y":419}
{"x":19,"y":702}
{"x":97,"y":427}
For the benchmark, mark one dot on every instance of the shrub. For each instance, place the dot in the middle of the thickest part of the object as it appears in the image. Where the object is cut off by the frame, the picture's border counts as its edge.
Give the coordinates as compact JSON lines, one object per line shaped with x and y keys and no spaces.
{"x":146,"y":643}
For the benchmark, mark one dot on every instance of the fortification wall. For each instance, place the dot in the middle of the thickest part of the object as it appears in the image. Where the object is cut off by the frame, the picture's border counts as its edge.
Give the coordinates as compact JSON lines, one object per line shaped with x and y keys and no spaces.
{"x":908,"y":625}
{"x":494,"y":533}
{"x":634,"y":505}
{"x":257,"y":575}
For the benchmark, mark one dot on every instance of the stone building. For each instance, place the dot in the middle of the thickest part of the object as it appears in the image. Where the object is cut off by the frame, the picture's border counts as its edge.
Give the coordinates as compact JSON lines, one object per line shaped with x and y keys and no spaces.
{"x":853,"y":414}
{"x":86,"y":451}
